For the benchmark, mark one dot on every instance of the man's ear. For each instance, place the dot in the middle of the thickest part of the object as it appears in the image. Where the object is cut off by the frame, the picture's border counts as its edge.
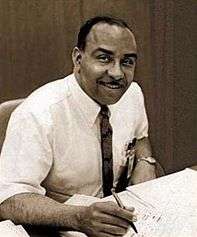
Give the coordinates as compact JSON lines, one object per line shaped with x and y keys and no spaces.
{"x":76,"y":56}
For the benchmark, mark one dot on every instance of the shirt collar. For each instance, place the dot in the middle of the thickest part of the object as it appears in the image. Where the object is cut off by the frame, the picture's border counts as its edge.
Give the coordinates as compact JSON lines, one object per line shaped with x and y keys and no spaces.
{"x":88,"y":107}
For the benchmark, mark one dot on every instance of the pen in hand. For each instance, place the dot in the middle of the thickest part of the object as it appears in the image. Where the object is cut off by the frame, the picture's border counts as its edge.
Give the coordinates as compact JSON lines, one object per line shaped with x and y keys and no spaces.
{"x":120,"y":204}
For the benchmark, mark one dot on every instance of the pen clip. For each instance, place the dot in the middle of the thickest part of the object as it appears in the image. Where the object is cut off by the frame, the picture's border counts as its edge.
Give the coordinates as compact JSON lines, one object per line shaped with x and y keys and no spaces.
{"x":131,"y":145}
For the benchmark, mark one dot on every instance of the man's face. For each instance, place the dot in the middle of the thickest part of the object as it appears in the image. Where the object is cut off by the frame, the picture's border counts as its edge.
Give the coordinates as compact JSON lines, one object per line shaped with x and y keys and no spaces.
{"x":106,"y":65}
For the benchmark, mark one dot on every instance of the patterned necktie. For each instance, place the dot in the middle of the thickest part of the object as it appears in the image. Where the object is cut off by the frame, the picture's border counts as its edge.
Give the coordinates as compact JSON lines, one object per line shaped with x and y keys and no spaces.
{"x":106,"y":148}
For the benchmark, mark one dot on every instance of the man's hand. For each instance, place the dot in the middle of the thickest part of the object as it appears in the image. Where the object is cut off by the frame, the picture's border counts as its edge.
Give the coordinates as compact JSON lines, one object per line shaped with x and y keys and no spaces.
{"x":104,"y":219}
{"x":142,"y":172}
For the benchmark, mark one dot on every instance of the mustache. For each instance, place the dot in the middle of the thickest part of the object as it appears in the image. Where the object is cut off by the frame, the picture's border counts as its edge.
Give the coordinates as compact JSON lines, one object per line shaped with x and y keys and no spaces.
{"x":112,"y":81}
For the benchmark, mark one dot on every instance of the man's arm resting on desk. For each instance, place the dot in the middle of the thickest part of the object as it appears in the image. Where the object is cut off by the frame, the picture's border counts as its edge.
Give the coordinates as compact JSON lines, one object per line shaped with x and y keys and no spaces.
{"x":100,"y":219}
{"x":143,"y":170}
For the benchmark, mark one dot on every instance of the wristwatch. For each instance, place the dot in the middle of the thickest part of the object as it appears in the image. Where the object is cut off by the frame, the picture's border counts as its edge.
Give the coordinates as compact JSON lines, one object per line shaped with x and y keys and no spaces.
{"x":151,"y":160}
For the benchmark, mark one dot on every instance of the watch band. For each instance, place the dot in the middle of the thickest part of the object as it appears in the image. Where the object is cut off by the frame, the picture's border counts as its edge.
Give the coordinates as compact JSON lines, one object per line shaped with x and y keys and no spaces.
{"x":151,"y":160}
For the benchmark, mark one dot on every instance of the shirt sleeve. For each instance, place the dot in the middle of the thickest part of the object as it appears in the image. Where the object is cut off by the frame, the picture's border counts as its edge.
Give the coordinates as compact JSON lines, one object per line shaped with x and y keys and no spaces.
{"x":142,"y":120}
{"x":26,"y":156}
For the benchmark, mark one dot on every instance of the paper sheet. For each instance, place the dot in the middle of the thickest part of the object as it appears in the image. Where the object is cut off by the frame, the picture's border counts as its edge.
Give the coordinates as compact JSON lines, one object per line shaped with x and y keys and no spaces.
{"x":9,"y":229}
{"x":166,"y":207}
{"x":175,"y":198}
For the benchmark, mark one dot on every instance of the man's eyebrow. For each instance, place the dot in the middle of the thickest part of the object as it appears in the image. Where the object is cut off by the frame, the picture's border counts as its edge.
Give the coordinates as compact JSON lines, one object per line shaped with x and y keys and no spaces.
{"x":103,"y":50}
{"x":131,"y":55}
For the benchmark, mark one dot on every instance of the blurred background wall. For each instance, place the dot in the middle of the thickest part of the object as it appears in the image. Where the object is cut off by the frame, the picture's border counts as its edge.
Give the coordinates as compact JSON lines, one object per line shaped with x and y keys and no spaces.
{"x":36,"y":39}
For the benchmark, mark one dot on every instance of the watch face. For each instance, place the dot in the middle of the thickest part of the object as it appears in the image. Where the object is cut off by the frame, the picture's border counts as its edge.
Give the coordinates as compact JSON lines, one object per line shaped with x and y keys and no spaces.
{"x":149,"y":159}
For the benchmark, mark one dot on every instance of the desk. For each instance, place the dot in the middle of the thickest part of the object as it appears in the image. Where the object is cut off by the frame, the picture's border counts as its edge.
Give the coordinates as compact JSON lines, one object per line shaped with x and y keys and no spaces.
{"x":37,"y":232}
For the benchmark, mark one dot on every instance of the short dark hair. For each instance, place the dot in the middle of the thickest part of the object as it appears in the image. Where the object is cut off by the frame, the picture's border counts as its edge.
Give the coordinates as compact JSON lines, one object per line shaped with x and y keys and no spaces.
{"x":87,"y":26}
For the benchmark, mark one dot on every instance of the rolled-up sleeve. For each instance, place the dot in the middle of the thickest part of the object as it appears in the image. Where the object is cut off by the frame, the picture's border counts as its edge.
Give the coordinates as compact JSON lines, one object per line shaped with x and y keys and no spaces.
{"x":26,"y":156}
{"x":142,"y":120}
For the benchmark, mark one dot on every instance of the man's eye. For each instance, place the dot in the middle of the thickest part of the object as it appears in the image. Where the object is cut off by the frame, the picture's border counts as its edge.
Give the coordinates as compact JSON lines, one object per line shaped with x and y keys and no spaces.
{"x":104,"y":58}
{"x":128,"y":61}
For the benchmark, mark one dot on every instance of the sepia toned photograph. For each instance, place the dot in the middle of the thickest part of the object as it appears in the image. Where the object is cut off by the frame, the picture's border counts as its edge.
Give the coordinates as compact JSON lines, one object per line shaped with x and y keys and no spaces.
{"x":98,"y":118}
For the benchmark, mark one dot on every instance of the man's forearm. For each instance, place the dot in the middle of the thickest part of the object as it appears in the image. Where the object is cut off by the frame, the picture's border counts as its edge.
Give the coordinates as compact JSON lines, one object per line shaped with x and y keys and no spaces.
{"x":101,"y":219}
{"x":143,"y":170}
{"x":143,"y":148}
{"x":35,"y":209}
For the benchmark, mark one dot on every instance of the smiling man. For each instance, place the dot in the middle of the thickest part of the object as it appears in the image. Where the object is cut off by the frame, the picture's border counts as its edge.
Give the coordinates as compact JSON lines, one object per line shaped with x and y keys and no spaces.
{"x":107,"y":62}
{"x":74,"y":135}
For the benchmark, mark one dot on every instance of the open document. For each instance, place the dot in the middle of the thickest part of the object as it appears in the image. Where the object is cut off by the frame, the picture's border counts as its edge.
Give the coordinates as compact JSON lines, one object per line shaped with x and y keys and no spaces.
{"x":165,"y":207}
{"x":175,"y":199}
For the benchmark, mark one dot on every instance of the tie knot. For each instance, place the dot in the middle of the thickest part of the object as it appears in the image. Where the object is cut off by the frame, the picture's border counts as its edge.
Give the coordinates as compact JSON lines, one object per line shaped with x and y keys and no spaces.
{"x":104,"y":110}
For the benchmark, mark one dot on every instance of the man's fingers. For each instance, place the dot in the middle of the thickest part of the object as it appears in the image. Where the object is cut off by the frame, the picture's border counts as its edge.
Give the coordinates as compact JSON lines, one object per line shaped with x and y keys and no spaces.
{"x":113,"y":220}
{"x":106,"y":218}
{"x":103,"y":234}
{"x":132,"y":209}
{"x":126,"y":214}
{"x":111,"y":229}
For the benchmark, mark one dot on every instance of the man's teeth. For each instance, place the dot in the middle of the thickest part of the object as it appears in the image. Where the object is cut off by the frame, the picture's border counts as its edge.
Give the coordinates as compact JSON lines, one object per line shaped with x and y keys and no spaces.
{"x":112,"y":85}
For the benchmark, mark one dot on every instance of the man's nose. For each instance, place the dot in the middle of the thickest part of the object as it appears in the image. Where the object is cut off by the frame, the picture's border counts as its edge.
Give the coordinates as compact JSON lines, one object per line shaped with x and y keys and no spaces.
{"x":115,"y":71}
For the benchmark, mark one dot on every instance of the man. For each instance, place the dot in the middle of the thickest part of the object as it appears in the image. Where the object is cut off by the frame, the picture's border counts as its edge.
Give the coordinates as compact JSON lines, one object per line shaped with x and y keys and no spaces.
{"x":54,"y":147}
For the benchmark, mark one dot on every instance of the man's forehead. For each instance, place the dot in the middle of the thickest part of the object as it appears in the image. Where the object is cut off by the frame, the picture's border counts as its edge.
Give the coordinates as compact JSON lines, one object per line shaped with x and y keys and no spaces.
{"x":110,"y":34}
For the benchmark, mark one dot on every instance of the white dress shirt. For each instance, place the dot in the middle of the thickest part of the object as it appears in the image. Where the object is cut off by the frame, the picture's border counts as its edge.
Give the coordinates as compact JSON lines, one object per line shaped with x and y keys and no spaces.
{"x":52,"y":144}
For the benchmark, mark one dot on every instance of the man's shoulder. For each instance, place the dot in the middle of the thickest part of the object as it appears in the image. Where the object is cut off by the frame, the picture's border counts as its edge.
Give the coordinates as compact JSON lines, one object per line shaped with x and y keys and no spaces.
{"x":134,"y":92}
{"x":43,"y":99}
{"x":135,"y":88}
